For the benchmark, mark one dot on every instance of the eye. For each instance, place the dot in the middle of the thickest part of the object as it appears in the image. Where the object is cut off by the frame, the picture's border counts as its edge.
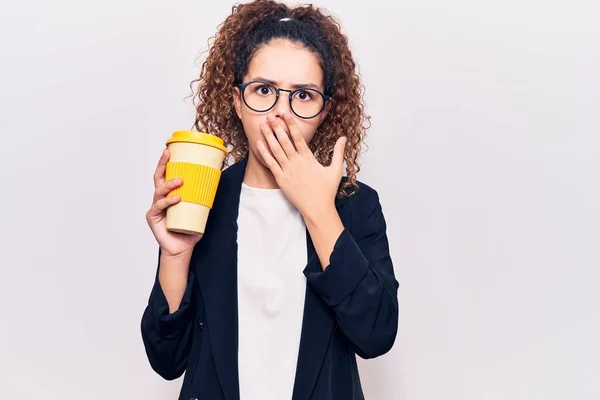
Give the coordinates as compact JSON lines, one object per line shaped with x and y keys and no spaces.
{"x":304,"y":95}
{"x":264,"y":90}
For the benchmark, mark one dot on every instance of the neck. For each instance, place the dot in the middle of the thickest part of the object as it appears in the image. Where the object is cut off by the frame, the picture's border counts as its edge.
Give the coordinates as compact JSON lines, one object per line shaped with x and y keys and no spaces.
{"x":257,"y":175}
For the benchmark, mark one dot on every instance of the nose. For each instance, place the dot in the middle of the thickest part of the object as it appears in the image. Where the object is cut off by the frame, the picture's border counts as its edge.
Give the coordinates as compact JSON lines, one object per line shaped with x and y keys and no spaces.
{"x":282,"y":105}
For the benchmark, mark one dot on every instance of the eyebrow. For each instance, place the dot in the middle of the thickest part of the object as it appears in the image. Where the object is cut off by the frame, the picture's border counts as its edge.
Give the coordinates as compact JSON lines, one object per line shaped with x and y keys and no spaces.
{"x":294,"y":86}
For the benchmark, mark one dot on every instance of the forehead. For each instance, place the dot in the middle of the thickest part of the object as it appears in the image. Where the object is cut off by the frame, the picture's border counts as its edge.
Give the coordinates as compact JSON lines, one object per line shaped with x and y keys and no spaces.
{"x":286,"y":63}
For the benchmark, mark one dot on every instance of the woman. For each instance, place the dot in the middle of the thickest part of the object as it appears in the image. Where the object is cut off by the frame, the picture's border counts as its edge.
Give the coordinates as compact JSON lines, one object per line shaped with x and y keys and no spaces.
{"x":293,"y":277}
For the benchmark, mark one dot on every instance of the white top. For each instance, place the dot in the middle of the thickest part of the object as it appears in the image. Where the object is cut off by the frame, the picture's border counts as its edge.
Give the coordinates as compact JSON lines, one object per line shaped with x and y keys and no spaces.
{"x":271,"y":290}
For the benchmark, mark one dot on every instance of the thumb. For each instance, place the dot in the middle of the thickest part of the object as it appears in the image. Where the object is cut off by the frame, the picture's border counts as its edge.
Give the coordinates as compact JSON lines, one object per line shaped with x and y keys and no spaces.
{"x":337,"y":159}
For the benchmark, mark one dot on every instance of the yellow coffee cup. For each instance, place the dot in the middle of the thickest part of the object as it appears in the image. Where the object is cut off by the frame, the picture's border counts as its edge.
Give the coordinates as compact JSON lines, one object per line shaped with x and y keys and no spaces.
{"x":198,"y":158}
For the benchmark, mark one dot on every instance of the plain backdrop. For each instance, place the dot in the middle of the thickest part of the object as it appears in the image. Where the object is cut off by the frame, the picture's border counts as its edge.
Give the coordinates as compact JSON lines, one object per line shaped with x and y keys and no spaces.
{"x":484,"y":148}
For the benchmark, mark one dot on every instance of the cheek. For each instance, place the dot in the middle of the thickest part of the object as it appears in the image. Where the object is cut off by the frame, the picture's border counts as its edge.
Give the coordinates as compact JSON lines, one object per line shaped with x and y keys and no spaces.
{"x":251,"y":124}
{"x":308,"y":128}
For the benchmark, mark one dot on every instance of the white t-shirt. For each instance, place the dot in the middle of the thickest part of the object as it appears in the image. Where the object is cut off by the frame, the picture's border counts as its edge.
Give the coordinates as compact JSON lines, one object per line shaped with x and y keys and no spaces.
{"x":271,"y":290}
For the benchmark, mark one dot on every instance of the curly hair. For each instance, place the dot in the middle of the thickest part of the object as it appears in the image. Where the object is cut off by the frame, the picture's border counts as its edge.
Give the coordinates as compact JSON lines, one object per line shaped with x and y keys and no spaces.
{"x":238,"y":38}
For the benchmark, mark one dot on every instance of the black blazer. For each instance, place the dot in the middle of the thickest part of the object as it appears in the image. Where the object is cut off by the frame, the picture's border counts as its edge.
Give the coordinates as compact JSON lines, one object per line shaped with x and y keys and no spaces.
{"x":350,"y":308}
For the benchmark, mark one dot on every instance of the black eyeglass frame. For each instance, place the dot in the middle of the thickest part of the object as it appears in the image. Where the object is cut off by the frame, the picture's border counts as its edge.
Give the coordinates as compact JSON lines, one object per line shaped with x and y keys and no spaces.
{"x":242,"y":87}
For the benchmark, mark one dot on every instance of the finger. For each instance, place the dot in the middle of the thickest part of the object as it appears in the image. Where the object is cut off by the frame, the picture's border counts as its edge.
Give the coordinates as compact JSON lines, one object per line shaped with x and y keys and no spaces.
{"x":161,"y":168}
{"x":166,"y":188}
{"x":278,"y":126}
{"x":268,"y":158}
{"x":273,"y":144}
{"x":161,"y":205}
{"x":337,"y":159}
{"x":299,"y":142}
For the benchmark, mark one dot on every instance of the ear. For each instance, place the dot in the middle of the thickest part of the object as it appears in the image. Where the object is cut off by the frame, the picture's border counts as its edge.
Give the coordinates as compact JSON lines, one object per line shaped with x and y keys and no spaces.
{"x":237,"y":102}
{"x":325,"y":112}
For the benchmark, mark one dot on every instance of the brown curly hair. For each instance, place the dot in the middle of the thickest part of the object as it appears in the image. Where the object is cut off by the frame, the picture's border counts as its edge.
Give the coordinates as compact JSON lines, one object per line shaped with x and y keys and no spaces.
{"x":213,"y":98}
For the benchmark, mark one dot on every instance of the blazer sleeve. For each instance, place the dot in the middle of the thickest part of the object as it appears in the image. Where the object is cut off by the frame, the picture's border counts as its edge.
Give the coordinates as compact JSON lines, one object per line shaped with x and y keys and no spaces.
{"x":168,"y":337}
{"x":359,"y":283}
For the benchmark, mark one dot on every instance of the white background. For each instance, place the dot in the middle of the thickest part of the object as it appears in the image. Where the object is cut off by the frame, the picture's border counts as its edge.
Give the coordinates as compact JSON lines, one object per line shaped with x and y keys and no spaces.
{"x":484,"y":148}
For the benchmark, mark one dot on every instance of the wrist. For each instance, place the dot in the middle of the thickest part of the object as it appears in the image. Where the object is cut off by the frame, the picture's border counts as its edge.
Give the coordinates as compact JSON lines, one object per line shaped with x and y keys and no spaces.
{"x":324,"y":226}
{"x":320,"y":213}
{"x":185,"y":255}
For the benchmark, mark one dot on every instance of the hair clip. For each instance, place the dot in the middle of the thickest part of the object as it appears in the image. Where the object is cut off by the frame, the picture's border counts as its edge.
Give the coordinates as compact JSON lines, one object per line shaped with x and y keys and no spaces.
{"x":285,"y":19}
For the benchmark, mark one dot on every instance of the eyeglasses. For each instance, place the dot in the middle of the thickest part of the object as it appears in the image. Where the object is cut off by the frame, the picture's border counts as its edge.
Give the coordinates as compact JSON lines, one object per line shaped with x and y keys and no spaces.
{"x":261,"y":96}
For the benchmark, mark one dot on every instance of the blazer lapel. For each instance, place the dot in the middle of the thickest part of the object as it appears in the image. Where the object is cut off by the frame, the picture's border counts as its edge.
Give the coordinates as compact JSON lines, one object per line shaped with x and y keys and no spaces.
{"x":217,"y":277}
